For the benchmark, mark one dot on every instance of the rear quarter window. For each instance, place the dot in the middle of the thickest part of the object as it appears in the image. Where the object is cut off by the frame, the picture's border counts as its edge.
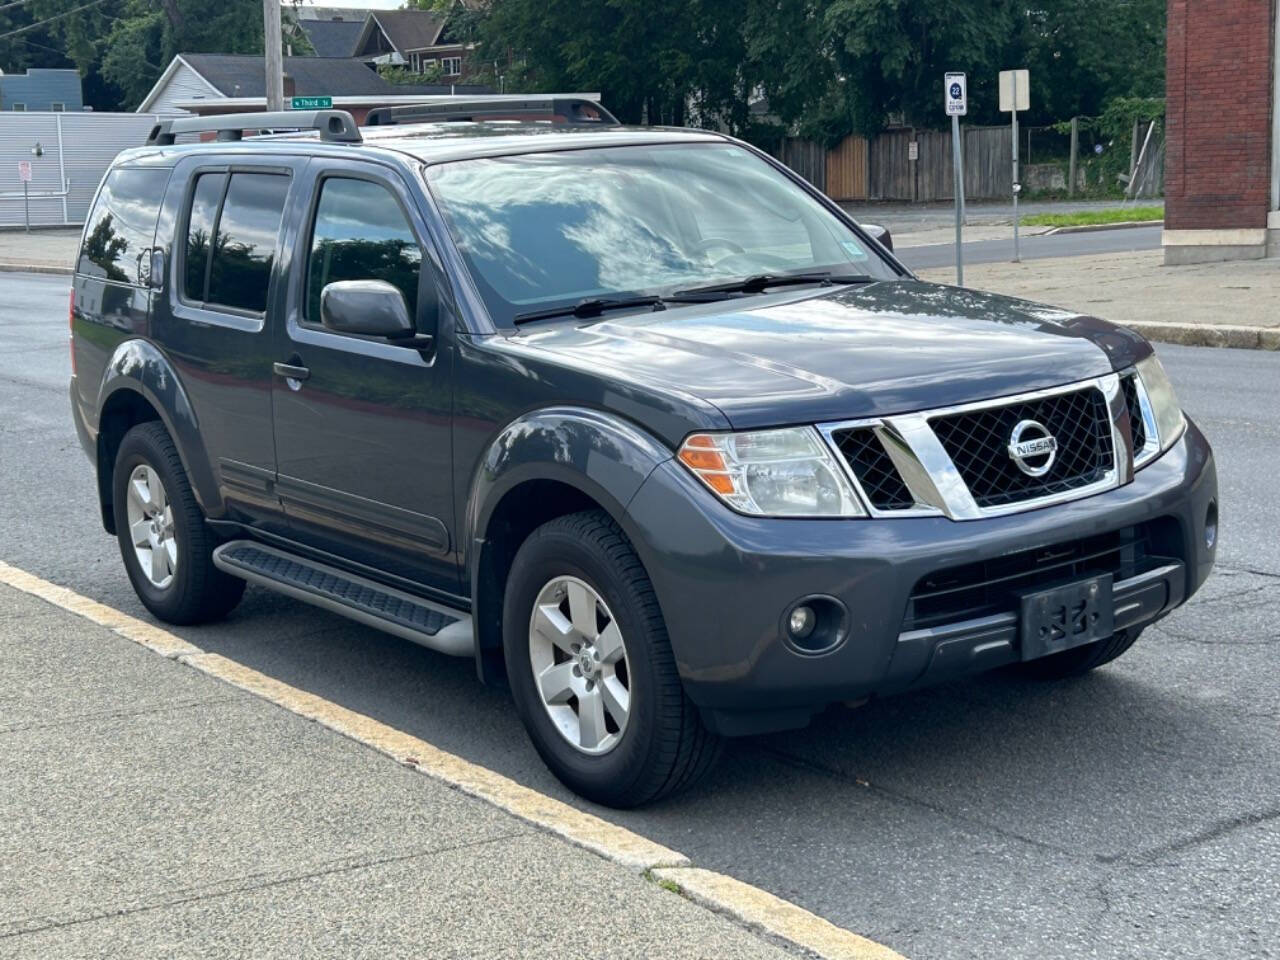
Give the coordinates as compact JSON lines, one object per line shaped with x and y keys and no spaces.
{"x":122,"y":225}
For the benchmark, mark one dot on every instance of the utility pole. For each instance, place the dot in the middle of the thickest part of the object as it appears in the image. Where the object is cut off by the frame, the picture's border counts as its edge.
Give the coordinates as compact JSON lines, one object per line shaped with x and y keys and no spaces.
{"x":272,"y":43}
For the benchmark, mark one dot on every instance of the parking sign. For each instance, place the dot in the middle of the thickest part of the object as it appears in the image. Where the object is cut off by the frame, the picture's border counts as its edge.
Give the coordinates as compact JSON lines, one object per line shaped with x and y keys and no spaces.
{"x":24,"y":171}
{"x":953,"y":88}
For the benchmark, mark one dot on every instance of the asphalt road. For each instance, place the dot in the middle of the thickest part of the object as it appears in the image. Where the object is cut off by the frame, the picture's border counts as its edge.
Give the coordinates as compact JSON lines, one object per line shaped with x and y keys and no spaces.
{"x":1133,"y":813}
{"x":1034,"y":247}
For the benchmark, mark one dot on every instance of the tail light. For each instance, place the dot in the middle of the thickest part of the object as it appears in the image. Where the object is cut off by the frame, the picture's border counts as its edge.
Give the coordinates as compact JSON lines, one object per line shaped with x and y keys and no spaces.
{"x":71,"y":329}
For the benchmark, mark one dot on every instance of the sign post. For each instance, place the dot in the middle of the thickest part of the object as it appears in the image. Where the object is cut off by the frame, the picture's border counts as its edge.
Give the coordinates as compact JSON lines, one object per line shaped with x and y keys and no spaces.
{"x":1015,"y":95}
{"x":955,"y":98}
{"x":24,"y":174}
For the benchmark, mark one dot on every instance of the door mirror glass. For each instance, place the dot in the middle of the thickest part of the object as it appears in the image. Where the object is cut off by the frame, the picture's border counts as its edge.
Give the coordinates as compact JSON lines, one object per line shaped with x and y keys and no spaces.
{"x":368,"y":308}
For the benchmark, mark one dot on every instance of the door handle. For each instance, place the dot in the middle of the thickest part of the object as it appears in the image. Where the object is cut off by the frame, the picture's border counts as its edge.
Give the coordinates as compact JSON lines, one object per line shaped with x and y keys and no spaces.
{"x":290,"y":371}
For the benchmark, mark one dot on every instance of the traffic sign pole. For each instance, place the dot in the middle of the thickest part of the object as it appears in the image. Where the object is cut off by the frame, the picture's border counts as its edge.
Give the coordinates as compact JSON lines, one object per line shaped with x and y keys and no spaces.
{"x":1017,"y":187}
{"x":955,"y":98}
{"x":957,"y":171}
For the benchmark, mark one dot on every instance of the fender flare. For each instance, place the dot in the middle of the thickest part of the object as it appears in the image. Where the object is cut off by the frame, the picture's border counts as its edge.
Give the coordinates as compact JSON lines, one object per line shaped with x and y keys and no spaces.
{"x":139,"y":366}
{"x":598,"y":454}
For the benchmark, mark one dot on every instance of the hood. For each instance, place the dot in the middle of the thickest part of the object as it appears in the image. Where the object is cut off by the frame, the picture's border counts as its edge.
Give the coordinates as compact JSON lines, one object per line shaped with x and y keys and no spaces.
{"x":871,"y":350}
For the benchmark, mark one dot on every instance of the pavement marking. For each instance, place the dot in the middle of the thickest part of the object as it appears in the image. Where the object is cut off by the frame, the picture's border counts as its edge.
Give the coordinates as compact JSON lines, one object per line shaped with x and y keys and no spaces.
{"x":780,"y":918}
{"x":751,"y":906}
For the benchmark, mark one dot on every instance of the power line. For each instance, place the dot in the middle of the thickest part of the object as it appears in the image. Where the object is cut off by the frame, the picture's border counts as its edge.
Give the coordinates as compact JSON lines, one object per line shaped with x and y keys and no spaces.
{"x":59,"y":16}
{"x":15,"y":3}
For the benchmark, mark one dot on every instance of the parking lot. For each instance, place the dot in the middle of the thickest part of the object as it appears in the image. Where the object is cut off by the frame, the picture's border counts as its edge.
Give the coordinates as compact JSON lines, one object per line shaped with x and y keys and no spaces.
{"x":1134,"y":812}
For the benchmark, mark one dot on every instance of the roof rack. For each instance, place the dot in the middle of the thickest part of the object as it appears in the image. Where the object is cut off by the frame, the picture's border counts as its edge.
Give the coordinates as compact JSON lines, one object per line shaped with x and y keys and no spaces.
{"x":575,"y":110}
{"x":336,"y":126}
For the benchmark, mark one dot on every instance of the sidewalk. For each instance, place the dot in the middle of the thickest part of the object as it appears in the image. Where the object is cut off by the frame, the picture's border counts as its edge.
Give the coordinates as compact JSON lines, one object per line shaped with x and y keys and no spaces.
{"x":150,"y":810}
{"x":40,"y":251}
{"x":1231,"y":304}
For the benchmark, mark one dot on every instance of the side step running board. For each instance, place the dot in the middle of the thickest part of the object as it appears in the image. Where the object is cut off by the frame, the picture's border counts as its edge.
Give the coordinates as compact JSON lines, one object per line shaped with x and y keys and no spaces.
{"x":385,"y":608}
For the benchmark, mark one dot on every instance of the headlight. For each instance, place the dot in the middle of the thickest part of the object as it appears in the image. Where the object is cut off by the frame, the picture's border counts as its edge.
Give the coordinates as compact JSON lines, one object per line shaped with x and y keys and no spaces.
{"x":1163,"y":402}
{"x":772,"y":473}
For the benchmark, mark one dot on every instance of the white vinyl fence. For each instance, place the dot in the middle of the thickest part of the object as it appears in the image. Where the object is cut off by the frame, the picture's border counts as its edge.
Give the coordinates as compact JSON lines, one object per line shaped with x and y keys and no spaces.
{"x":78,"y":148}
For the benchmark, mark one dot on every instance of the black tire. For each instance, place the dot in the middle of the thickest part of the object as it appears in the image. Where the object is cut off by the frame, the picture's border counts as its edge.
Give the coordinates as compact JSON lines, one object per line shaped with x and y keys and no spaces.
{"x":664,"y":747}
{"x":1079,"y":660}
{"x":198,"y":591}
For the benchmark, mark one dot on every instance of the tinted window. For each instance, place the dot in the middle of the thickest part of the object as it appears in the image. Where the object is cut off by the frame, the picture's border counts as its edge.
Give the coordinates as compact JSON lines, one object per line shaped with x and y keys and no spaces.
{"x":361,"y":233}
{"x":204,"y":211}
{"x":244,"y":245}
{"x":122,"y":225}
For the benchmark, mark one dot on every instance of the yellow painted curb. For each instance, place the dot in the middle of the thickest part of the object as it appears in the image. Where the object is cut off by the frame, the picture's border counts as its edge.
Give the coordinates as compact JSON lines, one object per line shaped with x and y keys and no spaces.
{"x":139,"y":631}
{"x":747,"y":904}
{"x":583,"y":829}
{"x":780,"y":918}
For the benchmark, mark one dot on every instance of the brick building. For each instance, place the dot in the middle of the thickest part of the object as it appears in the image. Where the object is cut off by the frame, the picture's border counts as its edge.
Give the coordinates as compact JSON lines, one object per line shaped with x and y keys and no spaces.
{"x":1222,"y":168}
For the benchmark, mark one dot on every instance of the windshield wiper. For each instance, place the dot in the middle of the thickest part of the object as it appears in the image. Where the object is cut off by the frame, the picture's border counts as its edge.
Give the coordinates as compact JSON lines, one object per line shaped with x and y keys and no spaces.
{"x":759,"y":282}
{"x":591,"y":307}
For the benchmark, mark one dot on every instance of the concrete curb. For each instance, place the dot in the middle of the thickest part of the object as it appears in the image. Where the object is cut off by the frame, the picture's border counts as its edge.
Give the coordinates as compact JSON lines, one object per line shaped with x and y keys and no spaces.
{"x":758,"y":910}
{"x":13,"y":267}
{"x":1210,"y":335}
{"x":1093,"y":227}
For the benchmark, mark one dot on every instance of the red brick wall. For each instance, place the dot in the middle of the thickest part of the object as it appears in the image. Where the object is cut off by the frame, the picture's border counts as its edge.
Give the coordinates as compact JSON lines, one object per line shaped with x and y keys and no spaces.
{"x":1218,"y":89}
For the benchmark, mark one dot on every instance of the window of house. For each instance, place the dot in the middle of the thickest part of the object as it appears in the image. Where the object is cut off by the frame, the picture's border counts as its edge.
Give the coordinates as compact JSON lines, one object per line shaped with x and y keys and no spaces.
{"x":452,"y":66}
{"x":232,"y":235}
{"x":360,"y":233}
{"x":20,"y":108}
{"x":415,"y":62}
{"x":122,"y":225}
{"x":58,"y":107}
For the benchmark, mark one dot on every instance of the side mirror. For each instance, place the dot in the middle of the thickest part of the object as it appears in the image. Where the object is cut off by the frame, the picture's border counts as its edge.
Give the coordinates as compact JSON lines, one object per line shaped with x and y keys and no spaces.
{"x":369,"y":308}
{"x":879,"y":233}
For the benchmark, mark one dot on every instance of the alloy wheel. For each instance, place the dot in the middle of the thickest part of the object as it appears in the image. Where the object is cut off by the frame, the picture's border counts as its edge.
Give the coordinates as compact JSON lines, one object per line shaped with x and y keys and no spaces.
{"x":580,"y":665}
{"x":151,"y":526}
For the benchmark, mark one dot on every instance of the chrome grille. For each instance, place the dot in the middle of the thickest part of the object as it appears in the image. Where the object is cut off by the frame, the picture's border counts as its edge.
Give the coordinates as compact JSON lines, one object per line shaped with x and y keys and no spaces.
{"x":875,"y":472}
{"x":977,"y":442}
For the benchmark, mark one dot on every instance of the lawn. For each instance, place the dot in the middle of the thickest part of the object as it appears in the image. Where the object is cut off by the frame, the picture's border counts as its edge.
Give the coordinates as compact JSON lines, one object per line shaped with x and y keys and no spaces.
{"x":1090,"y":217}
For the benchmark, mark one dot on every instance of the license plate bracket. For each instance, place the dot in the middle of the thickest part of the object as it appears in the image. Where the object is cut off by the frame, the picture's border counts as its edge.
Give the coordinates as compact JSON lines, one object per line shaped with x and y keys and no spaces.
{"x":1066,"y":616}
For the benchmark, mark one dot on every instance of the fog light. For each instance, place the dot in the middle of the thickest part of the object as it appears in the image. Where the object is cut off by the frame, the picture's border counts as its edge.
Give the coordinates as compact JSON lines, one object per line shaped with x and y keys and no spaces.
{"x":1211,"y":525}
{"x":801,"y":622}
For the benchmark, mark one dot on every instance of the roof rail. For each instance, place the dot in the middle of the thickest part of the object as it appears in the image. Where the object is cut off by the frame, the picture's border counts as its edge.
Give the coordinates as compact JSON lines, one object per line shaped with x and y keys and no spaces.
{"x":337,"y":126}
{"x":564,"y":109}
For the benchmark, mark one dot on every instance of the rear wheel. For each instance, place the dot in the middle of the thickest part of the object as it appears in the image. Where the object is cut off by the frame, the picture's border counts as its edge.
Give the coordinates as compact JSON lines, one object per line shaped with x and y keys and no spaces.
{"x":166,"y":545}
{"x":1080,"y":660}
{"x":591,"y":668}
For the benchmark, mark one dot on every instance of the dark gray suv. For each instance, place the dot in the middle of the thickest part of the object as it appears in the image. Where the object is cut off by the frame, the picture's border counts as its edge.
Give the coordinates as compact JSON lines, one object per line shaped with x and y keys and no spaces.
{"x":634,"y":417}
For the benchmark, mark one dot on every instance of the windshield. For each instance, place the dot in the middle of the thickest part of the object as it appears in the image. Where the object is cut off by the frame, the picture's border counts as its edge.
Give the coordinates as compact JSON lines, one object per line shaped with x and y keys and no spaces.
{"x":544,"y":230}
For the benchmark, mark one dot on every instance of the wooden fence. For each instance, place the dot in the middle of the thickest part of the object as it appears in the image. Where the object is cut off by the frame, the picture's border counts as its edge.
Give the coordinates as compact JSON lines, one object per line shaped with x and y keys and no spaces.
{"x":882,"y":168}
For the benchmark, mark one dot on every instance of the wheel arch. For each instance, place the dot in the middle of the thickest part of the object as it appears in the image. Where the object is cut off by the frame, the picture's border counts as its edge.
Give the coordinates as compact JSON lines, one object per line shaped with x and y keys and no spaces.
{"x":140,"y":385}
{"x":544,"y":465}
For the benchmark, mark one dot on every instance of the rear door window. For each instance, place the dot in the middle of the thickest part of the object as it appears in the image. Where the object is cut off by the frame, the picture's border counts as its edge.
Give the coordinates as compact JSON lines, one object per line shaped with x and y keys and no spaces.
{"x":232,"y":240}
{"x":122,"y":225}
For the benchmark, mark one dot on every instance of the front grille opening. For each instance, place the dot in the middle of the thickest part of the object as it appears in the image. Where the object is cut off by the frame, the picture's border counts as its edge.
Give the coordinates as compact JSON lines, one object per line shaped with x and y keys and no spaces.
{"x":876,"y":473}
{"x":977,"y":442}
{"x":1129,"y":385}
{"x":992,"y":586}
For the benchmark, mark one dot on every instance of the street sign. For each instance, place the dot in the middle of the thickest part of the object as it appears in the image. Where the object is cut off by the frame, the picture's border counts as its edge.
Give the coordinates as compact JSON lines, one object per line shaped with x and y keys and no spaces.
{"x":913,"y":150}
{"x":24,"y":171}
{"x":953,"y":89}
{"x":311,"y":103}
{"x":1015,"y":90}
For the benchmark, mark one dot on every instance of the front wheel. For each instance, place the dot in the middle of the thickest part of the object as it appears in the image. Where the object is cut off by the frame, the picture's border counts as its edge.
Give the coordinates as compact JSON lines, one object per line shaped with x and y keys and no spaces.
{"x":591,"y":668}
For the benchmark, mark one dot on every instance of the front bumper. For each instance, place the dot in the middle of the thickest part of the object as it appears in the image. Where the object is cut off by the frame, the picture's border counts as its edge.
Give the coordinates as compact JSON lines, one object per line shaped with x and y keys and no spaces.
{"x":724,"y":582}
